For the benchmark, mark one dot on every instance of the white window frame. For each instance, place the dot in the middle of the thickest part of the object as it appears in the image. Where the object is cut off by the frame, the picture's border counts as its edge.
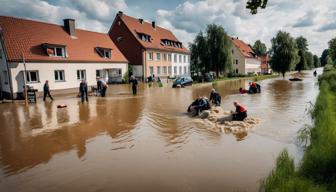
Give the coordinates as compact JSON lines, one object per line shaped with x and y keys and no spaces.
{"x":184,"y":59}
{"x":180,"y":70}
{"x":164,"y":69}
{"x":55,"y":52}
{"x":58,"y":72}
{"x":100,"y":71}
{"x":150,"y":56}
{"x":185,"y":69}
{"x":175,"y":58}
{"x":158,"y":56}
{"x":108,"y":52}
{"x":158,"y":70}
{"x":164,"y":57}
{"x":81,"y":76}
{"x":169,"y":57}
{"x":151,"y":70}
{"x":28,"y":76}
{"x":175,"y":70}
{"x":169,"y":70}
{"x":180,"y":58}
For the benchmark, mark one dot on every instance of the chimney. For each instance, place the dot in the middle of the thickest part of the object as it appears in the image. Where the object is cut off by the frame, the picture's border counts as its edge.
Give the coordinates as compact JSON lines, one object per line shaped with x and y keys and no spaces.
{"x":69,"y":26}
{"x":140,"y":20}
{"x":120,"y":13}
{"x":153,"y":24}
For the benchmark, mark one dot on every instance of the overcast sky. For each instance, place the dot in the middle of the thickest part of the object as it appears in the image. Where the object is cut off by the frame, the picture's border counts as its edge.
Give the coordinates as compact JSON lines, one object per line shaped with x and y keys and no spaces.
{"x":313,"y":19}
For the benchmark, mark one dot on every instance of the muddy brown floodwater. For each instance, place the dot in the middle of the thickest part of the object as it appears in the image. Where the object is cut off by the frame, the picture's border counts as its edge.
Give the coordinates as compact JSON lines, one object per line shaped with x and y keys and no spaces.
{"x":147,"y":142}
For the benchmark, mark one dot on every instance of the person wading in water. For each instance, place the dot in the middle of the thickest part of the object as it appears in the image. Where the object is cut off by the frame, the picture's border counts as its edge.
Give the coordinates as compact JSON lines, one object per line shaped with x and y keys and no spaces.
{"x":240,"y":114}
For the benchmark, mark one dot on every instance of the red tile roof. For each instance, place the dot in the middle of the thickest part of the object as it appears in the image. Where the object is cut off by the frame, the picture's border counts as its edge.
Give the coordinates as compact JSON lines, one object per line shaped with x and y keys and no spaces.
{"x":156,"y":34}
{"x":27,"y":36}
{"x":244,"y":48}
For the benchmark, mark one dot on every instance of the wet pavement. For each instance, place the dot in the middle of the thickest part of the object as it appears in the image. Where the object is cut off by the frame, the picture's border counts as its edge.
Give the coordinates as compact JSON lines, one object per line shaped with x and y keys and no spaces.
{"x":147,"y":142}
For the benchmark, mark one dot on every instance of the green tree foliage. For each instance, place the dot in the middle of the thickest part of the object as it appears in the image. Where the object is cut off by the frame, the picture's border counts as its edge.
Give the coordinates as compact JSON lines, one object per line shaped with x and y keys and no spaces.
{"x":199,"y":54}
{"x":310,"y":60}
{"x":253,"y":5}
{"x":302,"y":61}
{"x":302,"y":43}
{"x":332,"y":49}
{"x":302,"y":46}
{"x":324,"y":57}
{"x":211,"y":52}
{"x":284,"y":51}
{"x":259,"y":48}
{"x":316,"y":61}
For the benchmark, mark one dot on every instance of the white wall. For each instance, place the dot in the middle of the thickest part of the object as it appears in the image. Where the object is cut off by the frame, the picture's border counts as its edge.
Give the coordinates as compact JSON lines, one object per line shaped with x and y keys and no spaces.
{"x":236,"y":55}
{"x":46,"y":72}
{"x":252,"y":65}
{"x":182,"y":64}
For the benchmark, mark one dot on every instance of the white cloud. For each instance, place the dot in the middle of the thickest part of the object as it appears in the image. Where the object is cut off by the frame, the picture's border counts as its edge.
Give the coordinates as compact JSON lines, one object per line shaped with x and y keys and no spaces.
{"x":302,"y":17}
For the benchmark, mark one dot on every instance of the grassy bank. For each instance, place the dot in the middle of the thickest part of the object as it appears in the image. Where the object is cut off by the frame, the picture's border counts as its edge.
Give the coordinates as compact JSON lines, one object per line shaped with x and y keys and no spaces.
{"x":317,"y":171}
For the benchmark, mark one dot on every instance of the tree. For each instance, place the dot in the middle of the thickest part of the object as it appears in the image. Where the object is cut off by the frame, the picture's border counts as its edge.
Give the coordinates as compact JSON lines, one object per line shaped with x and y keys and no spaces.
{"x":316,"y":61}
{"x":332,"y":49}
{"x":211,"y":52}
{"x":302,"y":43}
{"x":259,"y":48}
{"x":199,"y":54}
{"x":324,"y":57}
{"x":219,"y":46}
{"x":310,"y":60}
{"x":253,"y":5}
{"x":302,"y":61}
{"x":302,"y":46}
{"x":283,"y":47}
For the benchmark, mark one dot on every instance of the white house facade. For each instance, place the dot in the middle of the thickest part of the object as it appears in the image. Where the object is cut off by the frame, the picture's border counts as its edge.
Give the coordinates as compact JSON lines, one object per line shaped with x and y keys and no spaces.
{"x":180,"y":64}
{"x":244,"y":60}
{"x":62,"y":55}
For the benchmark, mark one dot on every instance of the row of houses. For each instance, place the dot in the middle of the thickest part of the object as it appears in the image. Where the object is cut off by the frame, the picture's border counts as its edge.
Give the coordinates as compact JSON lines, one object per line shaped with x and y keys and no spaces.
{"x":37,"y":51}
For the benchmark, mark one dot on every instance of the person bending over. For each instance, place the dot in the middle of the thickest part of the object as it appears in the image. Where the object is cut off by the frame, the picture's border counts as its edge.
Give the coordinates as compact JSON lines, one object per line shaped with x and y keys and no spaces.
{"x":215,"y":97}
{"x":240,"y":114}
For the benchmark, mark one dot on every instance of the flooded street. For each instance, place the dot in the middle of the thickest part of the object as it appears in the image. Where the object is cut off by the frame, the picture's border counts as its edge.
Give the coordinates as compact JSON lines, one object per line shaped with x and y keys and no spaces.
{"x":147,"y":142}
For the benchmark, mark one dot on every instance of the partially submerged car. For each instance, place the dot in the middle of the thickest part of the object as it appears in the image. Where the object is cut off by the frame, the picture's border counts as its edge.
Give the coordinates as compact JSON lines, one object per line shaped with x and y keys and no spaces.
{"x":182,"y":81}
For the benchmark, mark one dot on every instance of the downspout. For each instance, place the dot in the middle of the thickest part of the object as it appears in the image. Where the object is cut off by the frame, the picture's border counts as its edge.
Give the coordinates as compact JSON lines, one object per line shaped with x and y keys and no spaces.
{"x":7,"y":66}
{"x":144,"y":65}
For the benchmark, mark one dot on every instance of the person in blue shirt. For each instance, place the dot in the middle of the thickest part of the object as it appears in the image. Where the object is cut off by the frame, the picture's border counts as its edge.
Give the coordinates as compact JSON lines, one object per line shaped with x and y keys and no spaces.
{"x":46,"y":91}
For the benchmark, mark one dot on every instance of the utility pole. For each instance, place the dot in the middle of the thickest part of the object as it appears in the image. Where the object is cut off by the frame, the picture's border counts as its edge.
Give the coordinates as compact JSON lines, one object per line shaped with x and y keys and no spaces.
{"x":25,"y":80}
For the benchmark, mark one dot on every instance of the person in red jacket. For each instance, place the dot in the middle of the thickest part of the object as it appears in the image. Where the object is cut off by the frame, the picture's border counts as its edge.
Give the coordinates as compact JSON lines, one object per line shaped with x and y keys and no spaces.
{"x":240,"y":114}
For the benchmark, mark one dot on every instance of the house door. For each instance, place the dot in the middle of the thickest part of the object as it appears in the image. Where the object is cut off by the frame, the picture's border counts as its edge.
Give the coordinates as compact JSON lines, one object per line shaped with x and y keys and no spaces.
{"x":114,"y":75}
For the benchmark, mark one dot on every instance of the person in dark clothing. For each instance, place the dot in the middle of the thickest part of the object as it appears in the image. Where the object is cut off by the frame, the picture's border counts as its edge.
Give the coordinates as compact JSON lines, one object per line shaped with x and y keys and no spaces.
{"x":240,"y":114}
{"x":104,"y":86}
{"x":258,"y":88}
{"x":46,"y":91}
{"x":83,"y":90}
{"x":199,"y":105}
{"x":215,"y":97}
{"x":315,"y":73}
{"x":99,"y":86}
{"x":134,"y":82}
{"x":254,"y":87}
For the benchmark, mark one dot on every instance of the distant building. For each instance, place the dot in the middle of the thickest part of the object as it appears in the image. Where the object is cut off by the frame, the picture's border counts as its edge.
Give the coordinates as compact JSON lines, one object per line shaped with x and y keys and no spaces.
{"x":150,"y":49}
{"x":63,"y":55}
{"x":244,"y":58}
{"x":265,"y":67}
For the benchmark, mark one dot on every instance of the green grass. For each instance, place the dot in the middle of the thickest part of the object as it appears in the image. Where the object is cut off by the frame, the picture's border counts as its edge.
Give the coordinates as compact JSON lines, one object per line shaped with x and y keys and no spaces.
{"x":317,"y":171}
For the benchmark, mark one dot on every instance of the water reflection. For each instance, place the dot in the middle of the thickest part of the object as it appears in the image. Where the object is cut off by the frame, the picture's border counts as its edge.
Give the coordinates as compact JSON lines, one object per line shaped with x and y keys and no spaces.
{"x":144,"y":136}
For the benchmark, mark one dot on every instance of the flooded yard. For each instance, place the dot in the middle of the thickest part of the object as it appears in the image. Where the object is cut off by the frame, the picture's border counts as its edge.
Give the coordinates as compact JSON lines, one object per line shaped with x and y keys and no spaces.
{"x":148,"y":142}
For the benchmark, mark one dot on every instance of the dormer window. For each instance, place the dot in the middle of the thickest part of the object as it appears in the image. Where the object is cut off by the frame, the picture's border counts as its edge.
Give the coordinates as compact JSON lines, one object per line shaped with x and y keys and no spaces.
{"x":54,"y":50}
{"x":144,"y":37}
{"x":104,"y":52}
